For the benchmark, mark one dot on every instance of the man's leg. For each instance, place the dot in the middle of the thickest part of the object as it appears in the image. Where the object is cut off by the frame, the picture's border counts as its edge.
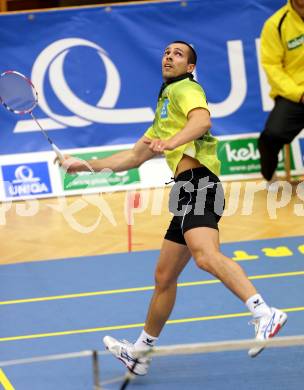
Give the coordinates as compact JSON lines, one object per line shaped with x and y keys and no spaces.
{"x":284,"y":123}
{"x":173,"y":259}
{"x":203,"y":243}
{"x":269,"y":149}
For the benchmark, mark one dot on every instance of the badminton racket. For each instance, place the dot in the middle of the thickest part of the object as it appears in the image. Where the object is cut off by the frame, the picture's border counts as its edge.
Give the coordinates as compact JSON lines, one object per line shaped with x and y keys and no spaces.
{"x":19,"y":96}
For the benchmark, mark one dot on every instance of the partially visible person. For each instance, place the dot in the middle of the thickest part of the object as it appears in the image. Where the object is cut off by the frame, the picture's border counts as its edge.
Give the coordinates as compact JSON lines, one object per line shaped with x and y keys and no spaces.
{"x":282,"y":57}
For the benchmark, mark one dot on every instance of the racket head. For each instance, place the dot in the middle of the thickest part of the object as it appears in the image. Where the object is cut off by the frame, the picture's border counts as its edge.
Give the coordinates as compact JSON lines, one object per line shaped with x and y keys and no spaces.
{"x":17,"y":92}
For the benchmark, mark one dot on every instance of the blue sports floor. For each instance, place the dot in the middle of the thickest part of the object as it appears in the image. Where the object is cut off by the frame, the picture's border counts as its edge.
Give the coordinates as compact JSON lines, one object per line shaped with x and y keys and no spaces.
{"x":62,"y":306}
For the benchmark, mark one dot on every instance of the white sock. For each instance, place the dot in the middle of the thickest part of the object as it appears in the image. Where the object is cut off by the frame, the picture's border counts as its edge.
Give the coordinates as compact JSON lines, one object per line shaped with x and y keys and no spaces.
{"x":257,"y":306}
{"x":145,"y":341}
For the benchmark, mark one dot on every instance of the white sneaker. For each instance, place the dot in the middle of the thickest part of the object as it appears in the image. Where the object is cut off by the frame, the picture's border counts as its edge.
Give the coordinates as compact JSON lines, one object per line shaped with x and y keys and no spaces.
{"x":125,"y":352}
{"x":266,"y":327}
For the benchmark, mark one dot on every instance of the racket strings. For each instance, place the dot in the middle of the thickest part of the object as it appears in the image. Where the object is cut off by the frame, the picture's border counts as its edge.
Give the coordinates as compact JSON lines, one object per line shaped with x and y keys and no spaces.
{"x":17,"y":93}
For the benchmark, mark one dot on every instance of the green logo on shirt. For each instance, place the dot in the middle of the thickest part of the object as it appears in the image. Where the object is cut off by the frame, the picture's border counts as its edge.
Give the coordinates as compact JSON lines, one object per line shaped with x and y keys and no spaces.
{"x":296,"y":42}
{"x":164,"y":110}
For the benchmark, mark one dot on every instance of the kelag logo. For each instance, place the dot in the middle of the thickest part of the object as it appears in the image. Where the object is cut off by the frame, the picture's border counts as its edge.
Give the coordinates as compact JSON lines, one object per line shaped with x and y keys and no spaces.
{"x":26,"y":179}
{"x":241,"y":156}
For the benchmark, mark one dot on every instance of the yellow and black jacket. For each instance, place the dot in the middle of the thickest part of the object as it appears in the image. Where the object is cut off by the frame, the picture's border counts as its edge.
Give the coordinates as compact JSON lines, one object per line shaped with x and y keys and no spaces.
{"x":282,"y":53}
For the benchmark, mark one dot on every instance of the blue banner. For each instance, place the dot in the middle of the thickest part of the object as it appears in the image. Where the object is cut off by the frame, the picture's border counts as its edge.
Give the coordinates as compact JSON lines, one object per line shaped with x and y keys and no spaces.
{"x":98,"y":70}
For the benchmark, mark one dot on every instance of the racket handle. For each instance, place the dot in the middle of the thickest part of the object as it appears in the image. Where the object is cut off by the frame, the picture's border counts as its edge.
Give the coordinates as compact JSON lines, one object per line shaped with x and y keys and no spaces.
{"x":58,"y":152}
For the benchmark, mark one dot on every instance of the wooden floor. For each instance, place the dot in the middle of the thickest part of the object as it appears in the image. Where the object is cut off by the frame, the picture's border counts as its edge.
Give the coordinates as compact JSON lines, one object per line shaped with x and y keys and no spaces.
{"x":98,"y":224}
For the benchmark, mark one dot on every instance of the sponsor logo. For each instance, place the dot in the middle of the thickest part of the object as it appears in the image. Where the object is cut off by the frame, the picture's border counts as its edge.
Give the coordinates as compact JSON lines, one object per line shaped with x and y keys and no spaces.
{"x":296,"y":42}
{"x":257,"y":303}
{"x":241,"y":156}
{"x":148,"y":342}
{"x":268,"y":330}
{"x":164,"y":110}
{"x":27,"y":179}
{"x":49,"y":65}
{"x":124,"y":355}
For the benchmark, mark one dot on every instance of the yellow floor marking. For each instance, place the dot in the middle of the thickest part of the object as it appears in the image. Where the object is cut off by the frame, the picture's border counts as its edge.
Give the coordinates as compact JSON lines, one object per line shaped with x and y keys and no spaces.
{"x":139,"y":325}
{"x":5,"y":382}
{"x":138,"y":289}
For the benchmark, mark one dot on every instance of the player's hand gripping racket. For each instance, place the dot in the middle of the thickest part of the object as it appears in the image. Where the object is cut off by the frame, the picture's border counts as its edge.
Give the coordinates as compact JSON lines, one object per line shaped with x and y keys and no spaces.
{"x":18,"y":95}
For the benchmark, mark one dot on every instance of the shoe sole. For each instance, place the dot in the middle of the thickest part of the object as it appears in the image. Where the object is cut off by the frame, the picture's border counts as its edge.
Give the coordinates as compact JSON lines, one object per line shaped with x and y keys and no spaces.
{"x":275,"y":332}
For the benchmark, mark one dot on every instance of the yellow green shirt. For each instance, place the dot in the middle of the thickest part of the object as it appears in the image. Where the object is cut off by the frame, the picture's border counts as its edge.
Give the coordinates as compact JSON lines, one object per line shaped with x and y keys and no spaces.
{"x":174,"y":104}
{"x":282,"y":53}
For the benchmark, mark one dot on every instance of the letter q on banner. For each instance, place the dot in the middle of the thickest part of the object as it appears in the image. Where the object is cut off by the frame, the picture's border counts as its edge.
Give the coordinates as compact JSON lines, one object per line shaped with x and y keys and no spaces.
{"x":51,"y":60}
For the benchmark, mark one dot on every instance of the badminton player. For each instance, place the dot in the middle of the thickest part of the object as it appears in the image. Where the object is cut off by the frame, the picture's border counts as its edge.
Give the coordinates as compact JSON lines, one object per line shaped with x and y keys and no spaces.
{"x":181,"y":131}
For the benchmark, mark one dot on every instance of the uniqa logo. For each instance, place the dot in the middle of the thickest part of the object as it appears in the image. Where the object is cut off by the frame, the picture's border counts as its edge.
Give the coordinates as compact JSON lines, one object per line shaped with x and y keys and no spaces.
{"x":25,"y":183}
{"x":51,"y":62}
{"x":25,"y":174}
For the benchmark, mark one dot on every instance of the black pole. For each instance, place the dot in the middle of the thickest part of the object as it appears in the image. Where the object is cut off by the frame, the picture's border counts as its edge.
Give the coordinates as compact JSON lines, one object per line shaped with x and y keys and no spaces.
{"x":96,"y":370}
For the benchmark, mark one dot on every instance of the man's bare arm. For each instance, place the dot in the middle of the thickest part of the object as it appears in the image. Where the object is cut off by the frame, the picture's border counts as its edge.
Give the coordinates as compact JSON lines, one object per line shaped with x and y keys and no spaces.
{"x":120,"y":161}
{"x":197,"y":125}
